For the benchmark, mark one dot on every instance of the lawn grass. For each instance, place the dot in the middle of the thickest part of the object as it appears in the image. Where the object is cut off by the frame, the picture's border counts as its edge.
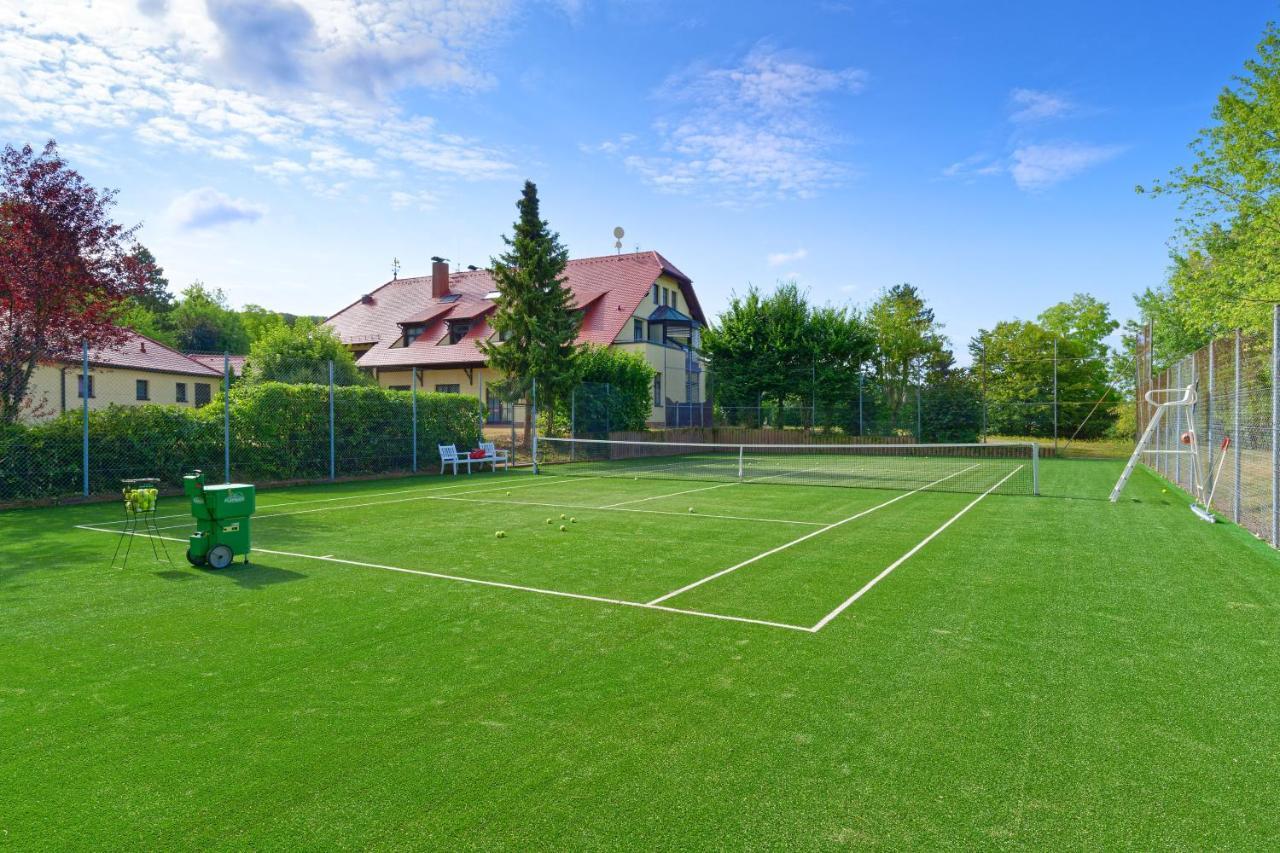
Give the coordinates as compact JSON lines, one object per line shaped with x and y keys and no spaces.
{"x":1048,"y":672}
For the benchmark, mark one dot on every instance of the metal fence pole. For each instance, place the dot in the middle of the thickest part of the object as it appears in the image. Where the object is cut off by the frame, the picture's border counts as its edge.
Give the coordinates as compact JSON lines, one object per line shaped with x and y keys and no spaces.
{"x":1235,"y":429}
{"x":608,"y":415}
{"x":983,"y":358}
{"x":534,"y":413}
{"x":332,"y":465}
{"x":919,"y":419}
{"x":413,"y":408}
{"x":226,"y":417}
{"x":1275,"y":425}
{"x":84,"y":427}
{"x":861,"y":428}
{"x":1177,"y":460}
{"x":1207,"y":474}
{"x":1055,"y":398}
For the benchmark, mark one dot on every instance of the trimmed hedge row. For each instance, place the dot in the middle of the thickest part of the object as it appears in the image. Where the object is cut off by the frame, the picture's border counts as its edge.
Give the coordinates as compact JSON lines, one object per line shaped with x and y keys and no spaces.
{"x":278,"y":432}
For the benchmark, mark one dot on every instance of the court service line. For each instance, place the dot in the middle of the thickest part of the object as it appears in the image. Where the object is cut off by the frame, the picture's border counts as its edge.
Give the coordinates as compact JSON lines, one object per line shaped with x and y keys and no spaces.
{"x":844,"y":605}
{"x":709,"y":488}
{"x":627,"y":509}
{"x":804,"y":538}
{"x":621,"y":602}
{"x":419,"y":496}
{"x":318,"y":500}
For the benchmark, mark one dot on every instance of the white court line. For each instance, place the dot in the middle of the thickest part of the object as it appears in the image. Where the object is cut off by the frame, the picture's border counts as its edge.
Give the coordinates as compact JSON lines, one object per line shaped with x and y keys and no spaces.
{"x":628,"y":509}
{"x":709,"y":488}
{"x":500,"y":585}
{"x":907,"y":556}
{"x":804,"y":538}
{"x":419,"y":496}
{"x":671,"y":495}
{"x":316,"y":500}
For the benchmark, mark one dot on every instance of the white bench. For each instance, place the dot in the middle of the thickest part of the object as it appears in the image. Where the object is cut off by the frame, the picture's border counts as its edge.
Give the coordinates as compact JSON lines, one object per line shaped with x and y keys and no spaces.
{"x":449,"y":455}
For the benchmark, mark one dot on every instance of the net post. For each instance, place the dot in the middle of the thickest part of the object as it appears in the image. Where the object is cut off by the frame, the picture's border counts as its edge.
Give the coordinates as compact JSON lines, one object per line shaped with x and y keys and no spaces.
{"x":332,"y":462}
{"x":740,"y":453}
{"x":1035,"y":469}
{"x":84,"y":417}
{"x":413,"y":410}
{"x":226,"y":417}
{"x":533,"y":391}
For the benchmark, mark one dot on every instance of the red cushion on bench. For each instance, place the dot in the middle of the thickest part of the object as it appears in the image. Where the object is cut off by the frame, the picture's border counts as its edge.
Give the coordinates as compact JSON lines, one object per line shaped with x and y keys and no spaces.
{"x":476,"y":454}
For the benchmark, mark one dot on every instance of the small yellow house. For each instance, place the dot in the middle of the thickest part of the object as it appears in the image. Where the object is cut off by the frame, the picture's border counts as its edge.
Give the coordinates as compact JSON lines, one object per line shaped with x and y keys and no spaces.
{"x":431,"y":324}
{"x":137,"y":371}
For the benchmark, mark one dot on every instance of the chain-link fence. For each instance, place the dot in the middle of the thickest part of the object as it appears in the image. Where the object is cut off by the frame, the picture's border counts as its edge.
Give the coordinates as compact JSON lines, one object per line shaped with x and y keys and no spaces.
{"x":316,"y":424}
{"x":1234,"y":420}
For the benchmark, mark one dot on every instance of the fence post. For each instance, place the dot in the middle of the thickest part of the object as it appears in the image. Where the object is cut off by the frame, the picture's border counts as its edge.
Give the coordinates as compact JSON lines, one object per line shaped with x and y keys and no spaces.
{"x":84,"y":427}
{"x":1207,"y":474}
{"x":1275,"y":425}
{"x":573,"y":423}
{"x":1235,"y":429}
{"x":861,"y":428}
{"x":332,"y":466}
{"x":919,"y":419}
{"x":533,"y":392}
{"x":413,"y":408}
{"x":226,"y":417}
{"x":1055,"y":398}
{"x":1177,"y":460}
{"x":608,"y":415}
{"x":983,"y":358}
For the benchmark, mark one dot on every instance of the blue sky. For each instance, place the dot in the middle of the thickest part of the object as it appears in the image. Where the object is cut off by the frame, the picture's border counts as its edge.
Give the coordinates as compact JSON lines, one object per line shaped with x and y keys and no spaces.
{"x":986,"y":152}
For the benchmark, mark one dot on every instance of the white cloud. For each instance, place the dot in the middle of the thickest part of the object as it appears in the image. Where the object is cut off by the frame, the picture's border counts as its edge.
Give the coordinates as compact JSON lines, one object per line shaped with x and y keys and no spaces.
{"x":777,"y":259}
{"x":288,"y":90}
{"x":979,"y":165}
{"x":1035,"y":167}
{"x":1029,"y":105}
{"x":206,"y":207}
{"x":421,"y":200}
{"x":748,"y":132}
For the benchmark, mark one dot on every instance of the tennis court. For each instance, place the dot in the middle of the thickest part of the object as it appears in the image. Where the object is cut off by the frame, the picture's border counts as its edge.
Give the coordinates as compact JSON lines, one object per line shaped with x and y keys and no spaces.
{"x":896,"y":647}
{"x":779,"y":537}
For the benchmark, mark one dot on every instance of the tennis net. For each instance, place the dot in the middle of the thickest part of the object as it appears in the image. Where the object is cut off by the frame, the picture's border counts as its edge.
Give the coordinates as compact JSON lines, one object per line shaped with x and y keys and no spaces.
{"x":1007,"y":468}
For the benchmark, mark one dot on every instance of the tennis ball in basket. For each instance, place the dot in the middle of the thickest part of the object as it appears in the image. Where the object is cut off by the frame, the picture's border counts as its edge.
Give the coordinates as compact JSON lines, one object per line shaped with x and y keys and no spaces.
{"x":563,"y":528}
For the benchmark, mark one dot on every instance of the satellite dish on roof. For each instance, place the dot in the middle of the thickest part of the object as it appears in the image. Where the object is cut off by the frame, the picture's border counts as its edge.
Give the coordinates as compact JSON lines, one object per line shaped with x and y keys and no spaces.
{"x":618,"y":234}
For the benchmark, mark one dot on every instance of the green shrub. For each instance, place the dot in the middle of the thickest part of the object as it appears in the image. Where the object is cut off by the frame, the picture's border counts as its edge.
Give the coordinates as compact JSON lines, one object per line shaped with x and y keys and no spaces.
{"x":278,"y":432}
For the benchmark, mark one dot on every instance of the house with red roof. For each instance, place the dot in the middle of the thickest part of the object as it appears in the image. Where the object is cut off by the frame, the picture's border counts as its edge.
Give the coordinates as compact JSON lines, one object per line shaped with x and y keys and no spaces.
{"x":138,"y":370}
{"x":430,"y":325}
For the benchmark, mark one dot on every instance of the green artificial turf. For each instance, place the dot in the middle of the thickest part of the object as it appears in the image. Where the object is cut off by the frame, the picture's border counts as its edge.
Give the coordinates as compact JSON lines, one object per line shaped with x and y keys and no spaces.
{"x":1053,"y":672}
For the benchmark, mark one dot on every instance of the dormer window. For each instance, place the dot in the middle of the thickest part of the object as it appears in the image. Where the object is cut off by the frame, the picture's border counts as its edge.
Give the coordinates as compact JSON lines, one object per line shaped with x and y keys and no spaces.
{"x":412,"y":333}
{"x":458,"y":330}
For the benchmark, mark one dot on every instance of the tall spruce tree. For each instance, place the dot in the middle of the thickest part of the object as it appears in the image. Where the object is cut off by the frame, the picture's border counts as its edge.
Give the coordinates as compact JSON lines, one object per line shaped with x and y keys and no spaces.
{"x":535,"y":320}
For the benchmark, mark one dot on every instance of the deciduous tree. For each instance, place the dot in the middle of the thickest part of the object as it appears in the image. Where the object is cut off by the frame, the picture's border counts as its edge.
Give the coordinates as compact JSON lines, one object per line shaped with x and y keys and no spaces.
{"x":65,"y":267}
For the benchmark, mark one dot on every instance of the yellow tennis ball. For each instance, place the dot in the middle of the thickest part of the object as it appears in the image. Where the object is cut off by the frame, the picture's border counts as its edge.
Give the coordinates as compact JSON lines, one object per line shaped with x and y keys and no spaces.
{"x":690,"y":509}
{"x":573,"y":521}
{"x":548,"y":521}
{"x":563,"y":528}
{"x":508,"y":494}
{"x":499,"y":534}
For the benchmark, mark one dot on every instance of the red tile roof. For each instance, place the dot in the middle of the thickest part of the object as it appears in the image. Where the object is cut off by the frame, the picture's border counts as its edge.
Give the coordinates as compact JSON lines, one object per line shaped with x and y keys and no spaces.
{"x":608,"y":289}
{"x":214,"y":361}
{"x":138,"y":352}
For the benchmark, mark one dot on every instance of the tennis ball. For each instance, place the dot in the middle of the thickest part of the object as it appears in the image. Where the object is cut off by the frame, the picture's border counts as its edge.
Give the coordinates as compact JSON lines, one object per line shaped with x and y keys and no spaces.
{"x":508,"y":494}
{"x":563,"y":528}
{"x":690,"y":509}
{"x":573,"y":521}
{"x":548,"y":521}
{"x":1164,"y":491}
{"x":563,"y":516}
{"x":499,"y":534}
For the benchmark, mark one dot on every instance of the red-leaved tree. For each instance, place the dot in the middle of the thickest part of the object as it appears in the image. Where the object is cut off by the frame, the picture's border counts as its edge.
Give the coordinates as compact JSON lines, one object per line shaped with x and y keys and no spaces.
{"x":65,"y":268}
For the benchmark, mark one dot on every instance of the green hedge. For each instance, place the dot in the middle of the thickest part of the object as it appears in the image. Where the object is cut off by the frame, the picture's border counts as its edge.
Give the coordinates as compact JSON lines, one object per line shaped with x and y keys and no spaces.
{"x":278,"y":432}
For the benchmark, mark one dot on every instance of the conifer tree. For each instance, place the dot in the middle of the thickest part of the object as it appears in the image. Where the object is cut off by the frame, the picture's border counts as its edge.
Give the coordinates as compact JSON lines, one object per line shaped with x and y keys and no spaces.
{"x":535,"y":321}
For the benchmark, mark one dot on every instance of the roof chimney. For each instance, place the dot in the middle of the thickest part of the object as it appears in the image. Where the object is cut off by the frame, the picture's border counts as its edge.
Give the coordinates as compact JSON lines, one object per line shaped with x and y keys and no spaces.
{"x":439,"y":277}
